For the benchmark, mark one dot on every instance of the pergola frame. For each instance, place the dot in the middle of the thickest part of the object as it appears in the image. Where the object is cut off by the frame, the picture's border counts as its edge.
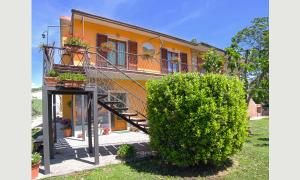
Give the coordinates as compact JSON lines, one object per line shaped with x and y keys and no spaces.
{"x":49,"y":116}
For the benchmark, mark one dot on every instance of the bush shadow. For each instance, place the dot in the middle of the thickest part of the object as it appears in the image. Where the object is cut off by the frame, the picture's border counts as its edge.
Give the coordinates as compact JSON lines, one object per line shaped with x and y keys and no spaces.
{"x":156,"y":166}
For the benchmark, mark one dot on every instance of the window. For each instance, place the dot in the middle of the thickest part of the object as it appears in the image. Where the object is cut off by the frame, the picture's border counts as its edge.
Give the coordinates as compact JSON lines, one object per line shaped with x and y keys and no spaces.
{"x":118,"y":56}
{"x":172,"y":66}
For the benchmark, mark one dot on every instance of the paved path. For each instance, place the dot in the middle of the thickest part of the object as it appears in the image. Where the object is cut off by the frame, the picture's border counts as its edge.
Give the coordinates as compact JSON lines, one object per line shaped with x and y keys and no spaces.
{"x":71,"y":153}
{"x":258,"y":118}
{"x":36,"y":121}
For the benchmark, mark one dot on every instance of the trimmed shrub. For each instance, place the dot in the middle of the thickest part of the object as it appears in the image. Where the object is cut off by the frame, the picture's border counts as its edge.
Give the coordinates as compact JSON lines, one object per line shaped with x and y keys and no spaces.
{"x":126,"y":151}
{"x":196,"y":118}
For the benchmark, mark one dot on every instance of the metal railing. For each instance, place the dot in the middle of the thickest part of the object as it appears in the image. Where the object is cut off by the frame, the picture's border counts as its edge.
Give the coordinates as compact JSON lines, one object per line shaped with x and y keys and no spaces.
{"x":113,"y":78}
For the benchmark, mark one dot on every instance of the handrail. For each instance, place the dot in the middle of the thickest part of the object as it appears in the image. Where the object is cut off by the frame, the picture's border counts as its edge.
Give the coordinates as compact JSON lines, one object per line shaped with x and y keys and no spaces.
{"x":118,"y":69}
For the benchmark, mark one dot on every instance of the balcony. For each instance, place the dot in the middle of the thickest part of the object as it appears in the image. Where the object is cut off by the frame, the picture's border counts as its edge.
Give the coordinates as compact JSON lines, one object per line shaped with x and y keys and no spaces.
{"x":65,"y":60}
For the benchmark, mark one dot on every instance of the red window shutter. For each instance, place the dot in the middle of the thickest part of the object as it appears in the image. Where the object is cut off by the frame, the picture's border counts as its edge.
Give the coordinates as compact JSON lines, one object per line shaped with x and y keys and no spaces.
{"x":184,"y":65}
{"x":164,"y":63}
{"x":101,"y":38}
{"x":132,"y":56}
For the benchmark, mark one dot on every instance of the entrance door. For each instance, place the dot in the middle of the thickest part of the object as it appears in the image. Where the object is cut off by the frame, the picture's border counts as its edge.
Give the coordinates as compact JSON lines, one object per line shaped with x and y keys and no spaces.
{"x":118,"y":124}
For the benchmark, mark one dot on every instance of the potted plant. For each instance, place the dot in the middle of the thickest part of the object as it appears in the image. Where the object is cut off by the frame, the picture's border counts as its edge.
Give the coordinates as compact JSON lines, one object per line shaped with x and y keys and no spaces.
{"x":75,"y":43}
{"x":66,"y":127}
{"x":35,"y":164}
{"x":51,"y":78}
{"x":72,"y":80}
{"x":105,"y":131}
{"x":107,"y":47}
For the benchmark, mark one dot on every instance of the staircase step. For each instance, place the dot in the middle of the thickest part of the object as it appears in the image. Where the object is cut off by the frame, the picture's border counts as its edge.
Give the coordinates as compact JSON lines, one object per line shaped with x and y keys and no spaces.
{"x":137,"y":119}
{"x":112,"y":102}
{"x":129,"y":114}
{"x":120,"y":109}
{"x":101,"y":96}
{"x":143,"y":124}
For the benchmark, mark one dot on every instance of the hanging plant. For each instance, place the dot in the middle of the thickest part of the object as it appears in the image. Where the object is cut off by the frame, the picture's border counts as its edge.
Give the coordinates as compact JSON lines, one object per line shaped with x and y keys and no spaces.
{"x":148,"y":55}
{"x":175,"y":59}
{"x":107,"y":47}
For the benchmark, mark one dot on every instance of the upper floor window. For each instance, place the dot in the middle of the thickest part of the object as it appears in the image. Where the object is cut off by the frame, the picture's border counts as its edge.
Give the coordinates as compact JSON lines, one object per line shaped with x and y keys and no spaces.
{"x":172,"y":65}
{"x":118,"y":55}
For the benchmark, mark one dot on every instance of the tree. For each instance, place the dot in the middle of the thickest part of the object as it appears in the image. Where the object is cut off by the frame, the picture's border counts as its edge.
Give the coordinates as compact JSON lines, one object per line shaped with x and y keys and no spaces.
{"x":194,"y":40}
{"x":248,"y":58}
{"x":213,"y":62}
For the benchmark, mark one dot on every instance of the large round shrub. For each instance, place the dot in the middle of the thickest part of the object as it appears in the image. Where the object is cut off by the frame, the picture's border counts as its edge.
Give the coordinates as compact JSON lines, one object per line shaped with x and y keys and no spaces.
{"x":196,"y":118}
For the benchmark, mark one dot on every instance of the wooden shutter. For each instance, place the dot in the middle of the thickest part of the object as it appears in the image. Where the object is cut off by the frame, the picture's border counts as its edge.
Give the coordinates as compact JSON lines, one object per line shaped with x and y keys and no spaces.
{"x":164,"y":63}
{"x":184,"y":65}
{"x":132,"y":56}
{"x":101,"y":38}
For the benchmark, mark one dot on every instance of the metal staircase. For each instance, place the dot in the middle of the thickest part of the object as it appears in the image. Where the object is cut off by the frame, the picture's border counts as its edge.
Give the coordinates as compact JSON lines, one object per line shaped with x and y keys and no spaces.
{"x":107,"y":81}
{"x":133,"y":111}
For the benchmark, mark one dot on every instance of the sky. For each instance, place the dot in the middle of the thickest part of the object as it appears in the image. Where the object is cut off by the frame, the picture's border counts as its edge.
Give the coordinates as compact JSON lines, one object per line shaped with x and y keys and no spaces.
{"x":210,"y":21}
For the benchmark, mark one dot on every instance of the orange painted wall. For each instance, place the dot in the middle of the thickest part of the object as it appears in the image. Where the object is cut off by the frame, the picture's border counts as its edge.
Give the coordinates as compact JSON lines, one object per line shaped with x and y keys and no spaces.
{"x":66,"y":110}
{"x":91,"y":29}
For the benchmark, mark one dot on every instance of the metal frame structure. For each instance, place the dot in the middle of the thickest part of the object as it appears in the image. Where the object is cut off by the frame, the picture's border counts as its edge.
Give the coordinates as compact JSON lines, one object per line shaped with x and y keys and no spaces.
{"x":49,"y":137}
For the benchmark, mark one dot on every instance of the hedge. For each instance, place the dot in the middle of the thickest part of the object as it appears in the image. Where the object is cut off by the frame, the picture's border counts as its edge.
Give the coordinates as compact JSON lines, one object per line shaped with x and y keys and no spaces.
{"x":196,"y":118}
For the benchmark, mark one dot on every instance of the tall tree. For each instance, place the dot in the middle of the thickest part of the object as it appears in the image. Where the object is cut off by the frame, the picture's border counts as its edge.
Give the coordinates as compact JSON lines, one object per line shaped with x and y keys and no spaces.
{"x":213,"y":62}
{"x":248,"y":58}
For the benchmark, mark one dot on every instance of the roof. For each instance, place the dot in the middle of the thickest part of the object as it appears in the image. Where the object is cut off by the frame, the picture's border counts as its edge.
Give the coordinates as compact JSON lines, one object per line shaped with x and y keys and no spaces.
{"x":74,"y":11}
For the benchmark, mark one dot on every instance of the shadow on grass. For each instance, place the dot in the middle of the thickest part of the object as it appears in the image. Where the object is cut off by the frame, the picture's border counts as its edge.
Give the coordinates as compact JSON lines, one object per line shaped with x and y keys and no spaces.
{"x":263,"y":139}
{"x":262,"y":145}
{"x":155,"y":166}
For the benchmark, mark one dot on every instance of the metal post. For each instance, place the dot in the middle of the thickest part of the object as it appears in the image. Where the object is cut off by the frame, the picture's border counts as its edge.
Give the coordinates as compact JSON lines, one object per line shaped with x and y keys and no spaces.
{"x":90,"y":124}
{"x":72,"y":116}
{"x":54,"y":117}
{"x":96,"y":143}
{"x":50,"y":126}
{"x":83,"y":112}
{"x":46,"y":148}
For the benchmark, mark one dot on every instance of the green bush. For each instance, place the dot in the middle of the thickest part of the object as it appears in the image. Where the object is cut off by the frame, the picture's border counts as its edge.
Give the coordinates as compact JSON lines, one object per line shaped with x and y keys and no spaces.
{"x":52,"y":73}
{"x":71,"y":76}
{"x":126,"y":151}
{"x":196,"y":119}
{"x":36,"y":107}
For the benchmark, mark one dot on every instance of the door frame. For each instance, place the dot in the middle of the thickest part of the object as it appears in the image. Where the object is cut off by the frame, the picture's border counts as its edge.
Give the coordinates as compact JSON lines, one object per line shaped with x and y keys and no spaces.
{"x":110,"y":113}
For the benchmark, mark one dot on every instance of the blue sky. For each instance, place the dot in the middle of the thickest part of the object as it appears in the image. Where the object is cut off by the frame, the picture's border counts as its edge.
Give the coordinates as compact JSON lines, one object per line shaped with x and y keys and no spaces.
{"x":210,"y":21}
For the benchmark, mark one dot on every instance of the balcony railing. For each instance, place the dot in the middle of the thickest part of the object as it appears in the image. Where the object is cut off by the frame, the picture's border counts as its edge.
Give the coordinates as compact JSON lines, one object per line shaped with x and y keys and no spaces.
{"x":153,"y":66}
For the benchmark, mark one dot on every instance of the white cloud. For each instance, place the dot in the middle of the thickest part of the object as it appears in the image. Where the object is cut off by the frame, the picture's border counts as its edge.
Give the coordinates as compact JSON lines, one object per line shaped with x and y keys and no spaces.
{"x":181,"y":21}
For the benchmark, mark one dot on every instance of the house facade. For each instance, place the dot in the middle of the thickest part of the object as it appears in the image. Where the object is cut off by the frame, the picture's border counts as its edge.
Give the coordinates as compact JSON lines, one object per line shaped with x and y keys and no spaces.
{"x":139,"y":54}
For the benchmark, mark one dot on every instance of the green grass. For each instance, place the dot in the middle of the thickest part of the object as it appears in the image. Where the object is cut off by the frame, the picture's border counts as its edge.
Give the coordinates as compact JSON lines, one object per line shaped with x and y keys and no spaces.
{"x":36,"y":107}
{"x":252,"y":163}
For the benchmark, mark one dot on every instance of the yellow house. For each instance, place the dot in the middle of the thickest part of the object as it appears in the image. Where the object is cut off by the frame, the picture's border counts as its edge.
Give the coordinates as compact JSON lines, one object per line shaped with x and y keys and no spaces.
{"x":139,"y":54}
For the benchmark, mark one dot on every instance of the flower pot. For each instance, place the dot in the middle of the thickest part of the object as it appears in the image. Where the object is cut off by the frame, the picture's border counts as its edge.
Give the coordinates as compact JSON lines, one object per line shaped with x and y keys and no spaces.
{"x":73,"y":84}
{"x":35,"y":170}
{"x":74,"y":48}
{"x":68,"y":132}
{"x":51,"y":81}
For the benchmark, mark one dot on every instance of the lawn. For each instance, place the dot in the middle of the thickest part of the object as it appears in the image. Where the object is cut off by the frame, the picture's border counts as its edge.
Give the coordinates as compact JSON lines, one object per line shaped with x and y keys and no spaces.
{"x":251,"y":163}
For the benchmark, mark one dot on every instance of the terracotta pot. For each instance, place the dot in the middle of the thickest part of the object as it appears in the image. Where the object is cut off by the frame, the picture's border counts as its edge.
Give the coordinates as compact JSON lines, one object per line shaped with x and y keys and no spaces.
{"x":35,"y":170}
{"x":51,"y":81}
{"x":68,"y":132}
{"x":74,"y":48}
{"x":73,"y":84}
